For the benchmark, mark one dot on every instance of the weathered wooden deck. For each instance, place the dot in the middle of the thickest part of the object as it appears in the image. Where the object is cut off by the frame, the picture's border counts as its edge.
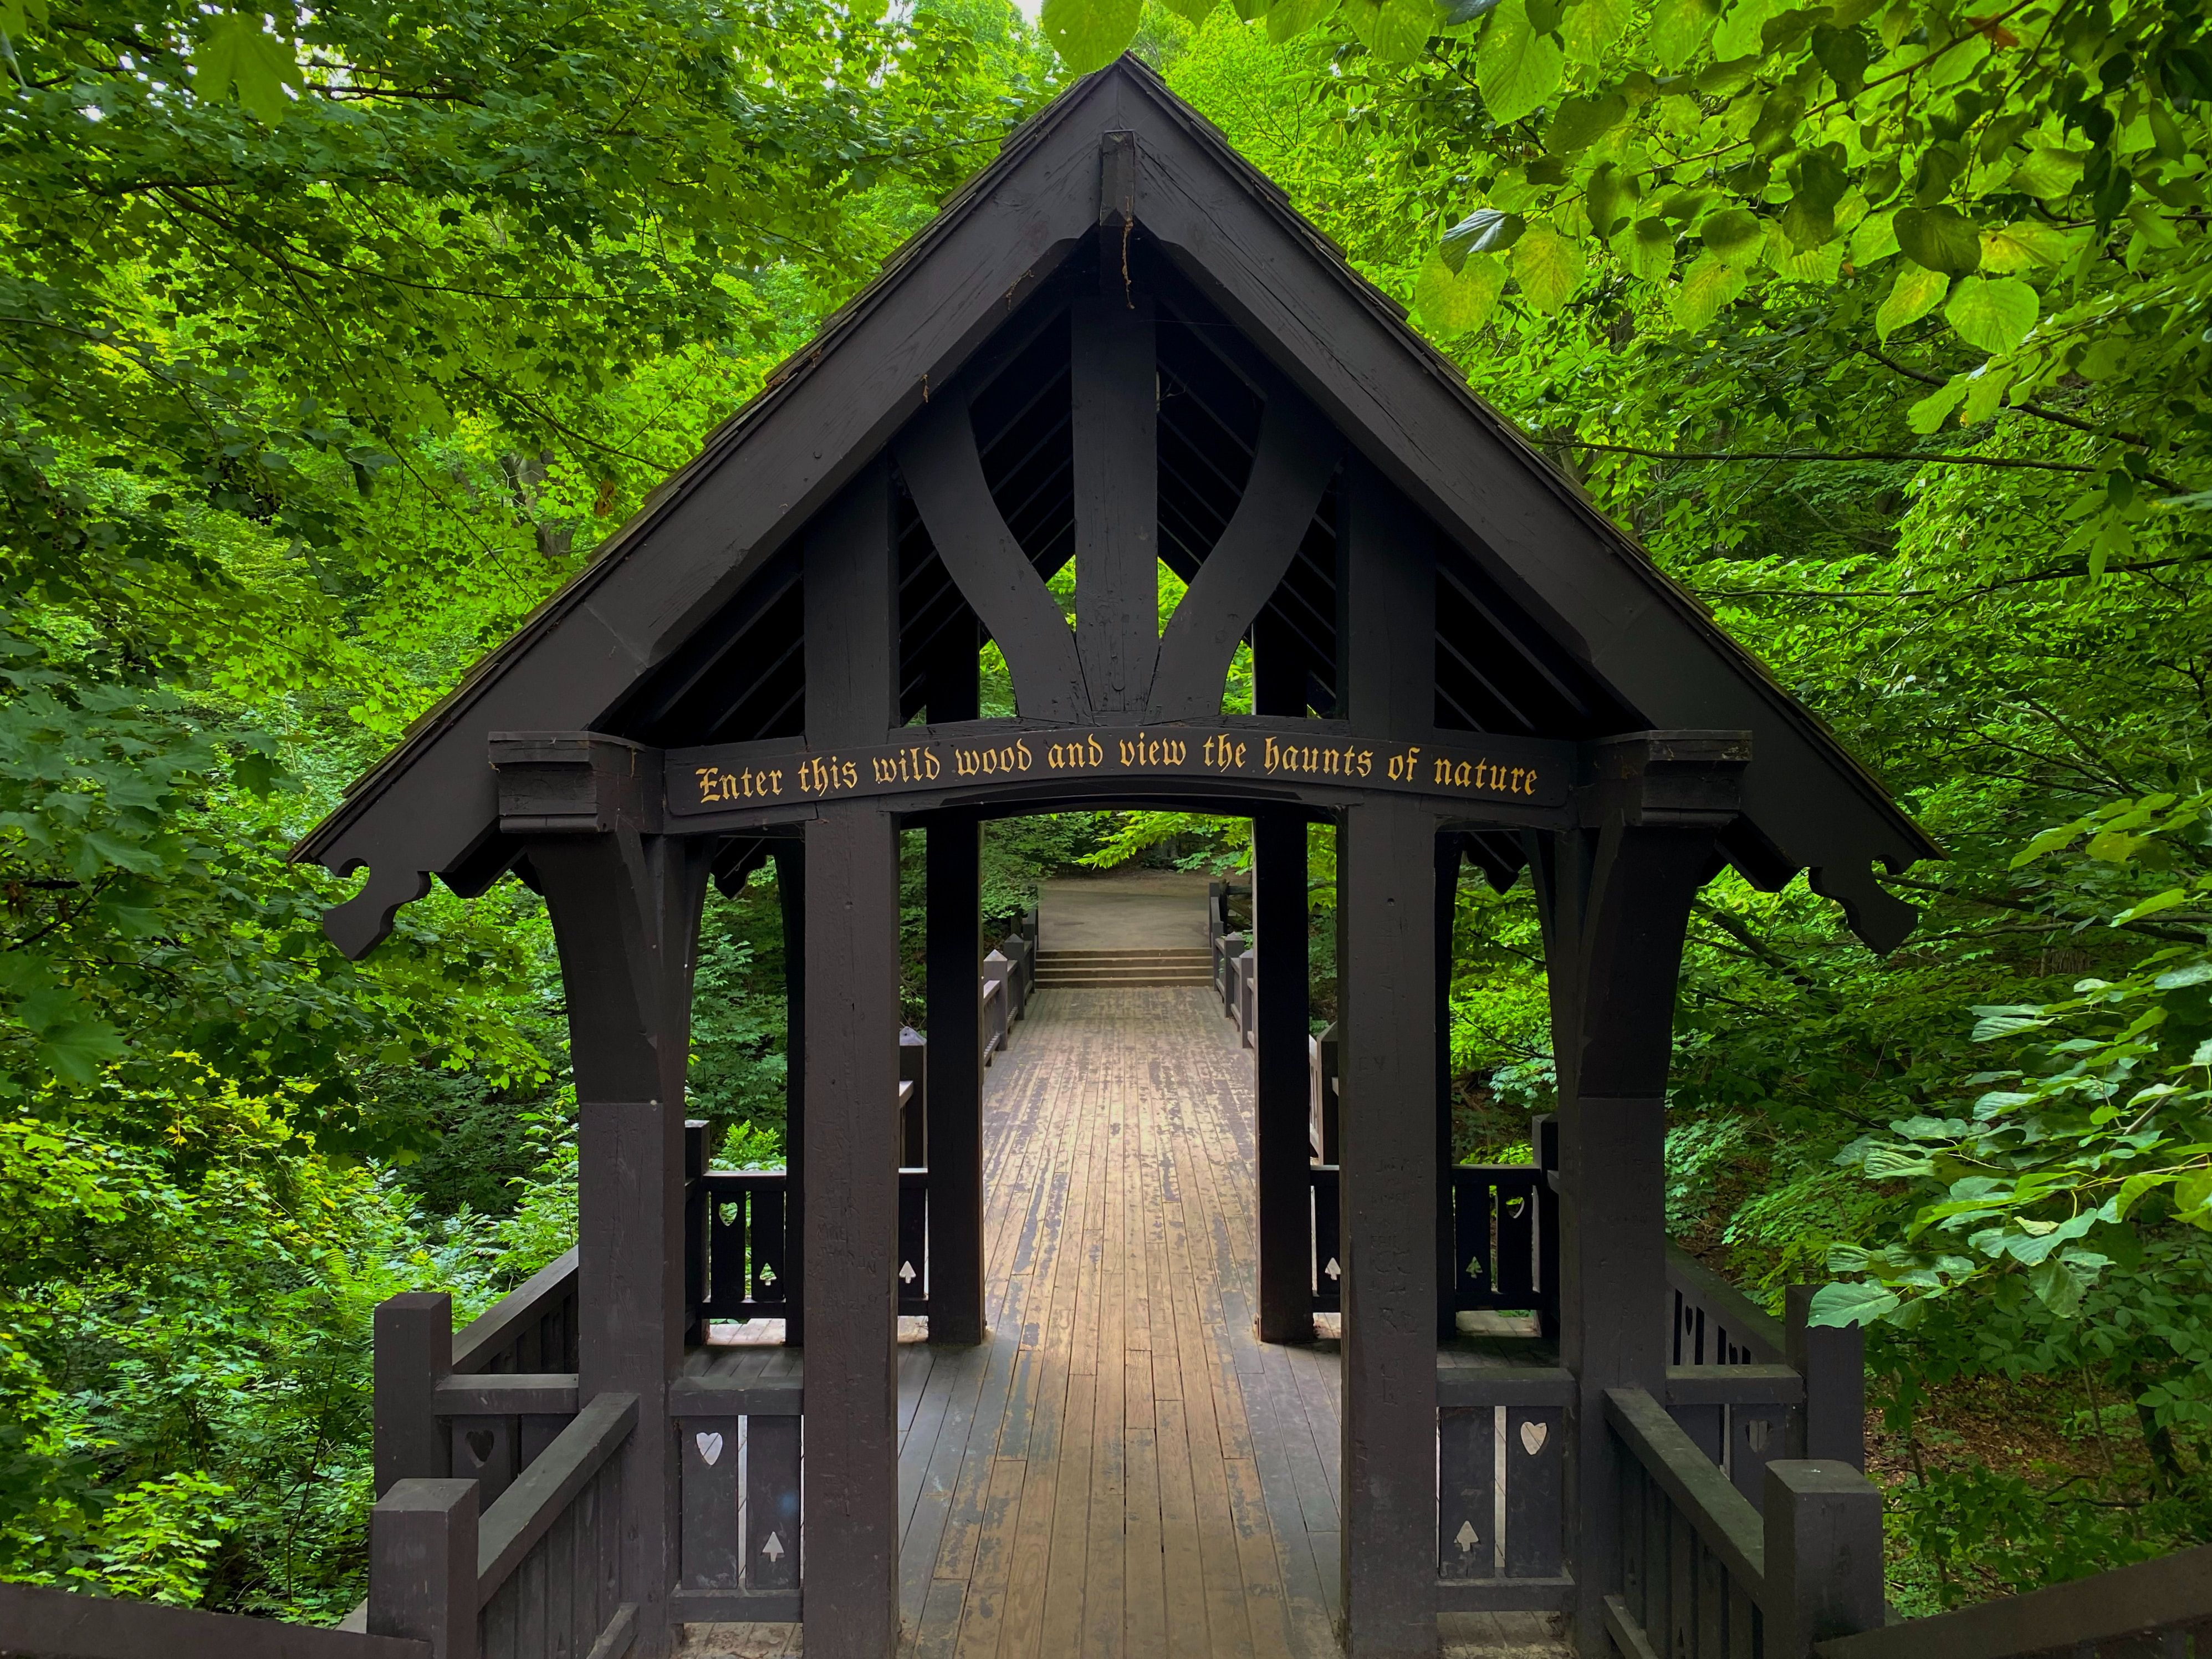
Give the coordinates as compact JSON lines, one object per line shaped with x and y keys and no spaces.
{"x":1122,"y":1468}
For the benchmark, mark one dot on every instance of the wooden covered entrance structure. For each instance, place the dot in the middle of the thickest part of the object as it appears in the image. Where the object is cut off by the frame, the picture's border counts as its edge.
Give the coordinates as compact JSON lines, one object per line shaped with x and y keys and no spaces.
{"x":1120,"y":346}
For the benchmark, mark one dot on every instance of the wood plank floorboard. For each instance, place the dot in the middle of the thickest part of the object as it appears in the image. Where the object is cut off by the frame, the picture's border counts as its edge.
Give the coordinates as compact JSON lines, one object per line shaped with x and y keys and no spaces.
{"x":1121,"y":1470}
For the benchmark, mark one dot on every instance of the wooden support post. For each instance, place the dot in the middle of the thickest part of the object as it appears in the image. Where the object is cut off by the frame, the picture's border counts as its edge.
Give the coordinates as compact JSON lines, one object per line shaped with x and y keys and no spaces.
{"x":1615,"y":902}
{"x":1824,"y":1556}
{"x":851,"y":1468}
{"x":850,"y":1135}
{"x":1832,"y":1361}
{"x":952,"y":954}
{"x":422,"y":1565}
{"x":412,"y":1350}
{"x":1385,"y":918}
{"x":1115,"y":399}
{"x":790,"y":857}
{"x":1282,"y":1149}
{"x":1449,"y":850}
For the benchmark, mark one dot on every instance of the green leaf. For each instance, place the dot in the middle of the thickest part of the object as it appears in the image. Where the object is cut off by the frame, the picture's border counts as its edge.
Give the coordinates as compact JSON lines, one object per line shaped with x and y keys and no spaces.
{"x":1992,"y":313}
{"x":1839,"y":1305}
{"x":1485,"y":230}
{"x":1876,"y":238}
{"x":1738,"y":35}
{"x":1679,"y":29}
{"x":1089,"y":34}
{"x":1516,"y":67}
{"x":1939,"y":238}
{"x":1394,"y":30}
{"x":2056,"y":1287}
{"x":1590,"y":27}
{"x":236,"y":54}
{"x":1647,"y":248}
{"x":1916,"y":292}
{"x":17,"y":16}
{"x":1736,"y":234}
{"x":1818,"y":182}
{"x":1581,"y":121}
{"x":76,"y":1052}
{"x":1288,"y":19}
{"x":2024,"y":246}
{"x":1550,"y":268}
{"x":2050,"y":174}
{"x":1706,"y":286}
{"x":1192,"y":12}
{"x":2150,"y":907}
{"x":1458,"y":301}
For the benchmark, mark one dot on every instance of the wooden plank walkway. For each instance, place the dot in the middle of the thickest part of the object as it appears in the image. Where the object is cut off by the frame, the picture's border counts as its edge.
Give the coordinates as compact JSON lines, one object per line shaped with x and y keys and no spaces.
{"x":1122,"y":1468}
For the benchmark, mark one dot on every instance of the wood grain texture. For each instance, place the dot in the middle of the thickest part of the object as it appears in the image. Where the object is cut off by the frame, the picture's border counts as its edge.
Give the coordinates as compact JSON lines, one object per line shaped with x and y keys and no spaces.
{"x":1112,"y":363}
{"x":938,"y":458}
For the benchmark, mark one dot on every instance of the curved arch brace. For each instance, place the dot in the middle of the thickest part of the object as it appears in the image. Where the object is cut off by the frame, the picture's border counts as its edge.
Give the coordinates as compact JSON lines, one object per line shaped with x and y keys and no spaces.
{"x":937,"y":458}
{"x":1296,"y":455}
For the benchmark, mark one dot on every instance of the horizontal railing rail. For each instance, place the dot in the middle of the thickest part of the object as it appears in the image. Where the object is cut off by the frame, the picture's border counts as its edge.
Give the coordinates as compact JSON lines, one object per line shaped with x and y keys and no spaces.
{"x":2159,"y":1606}
{"x":532,"y":1328}
{"x":540,"y":1572}
{"x":40,"y":1623}
{"x":1704,"y":1575}
{"x":1714,"y":1322}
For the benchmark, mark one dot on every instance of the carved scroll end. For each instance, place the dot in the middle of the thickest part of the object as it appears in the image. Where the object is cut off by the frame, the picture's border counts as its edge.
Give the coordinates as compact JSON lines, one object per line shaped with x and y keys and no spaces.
{"x":1877,"y":916}
{"x":364,"y":921}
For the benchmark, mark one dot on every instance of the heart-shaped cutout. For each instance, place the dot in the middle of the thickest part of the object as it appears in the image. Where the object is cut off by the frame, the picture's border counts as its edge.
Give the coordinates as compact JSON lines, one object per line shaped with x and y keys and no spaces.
{"x":479,"y":1442}
{"x":710,"y":1447}
{"x":1534,"y":1435}
{"x":730,"y":1213}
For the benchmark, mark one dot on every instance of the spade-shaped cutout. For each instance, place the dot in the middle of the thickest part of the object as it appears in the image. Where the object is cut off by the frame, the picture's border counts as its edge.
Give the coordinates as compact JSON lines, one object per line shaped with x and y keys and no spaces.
{"x":710,"y":1447}
{"x":774,"y":1548}
{"x":906,"y":1273}
{"x":1333,"y":1270}
{"x":1534,"y":1435}
{"x":1465,"y":1537}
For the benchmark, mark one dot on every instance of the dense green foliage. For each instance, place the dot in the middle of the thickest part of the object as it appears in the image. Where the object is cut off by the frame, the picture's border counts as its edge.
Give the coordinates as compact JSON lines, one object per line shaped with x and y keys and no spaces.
{"x":326,"y":354}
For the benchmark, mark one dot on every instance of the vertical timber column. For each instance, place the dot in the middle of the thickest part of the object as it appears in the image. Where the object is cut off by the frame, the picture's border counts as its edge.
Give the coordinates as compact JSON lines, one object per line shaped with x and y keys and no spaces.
{"x":1114,"y":385}
{"x":1451,"y":854}
{"x":1615,"y":902}
{"x":953,"y":961}
{"x":850,"y":1468}
{"x":1282,"y":1098}
{"x":625,"y":903}
{"x":1386,"y":921}
{"x":790,"y":857}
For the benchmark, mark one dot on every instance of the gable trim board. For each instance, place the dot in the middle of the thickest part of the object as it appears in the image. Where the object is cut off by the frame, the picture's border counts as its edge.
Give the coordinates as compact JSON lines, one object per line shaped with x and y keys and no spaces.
{"x":430,"y":806}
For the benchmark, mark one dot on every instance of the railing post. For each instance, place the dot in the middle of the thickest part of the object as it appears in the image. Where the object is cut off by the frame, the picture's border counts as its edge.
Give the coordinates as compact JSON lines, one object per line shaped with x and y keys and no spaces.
{"x":914,"y":1116}
{"x":1832,"y":1361}
{"x":694,"y":1228}
{"x":412,"y":1350}
{"x":1824,"y":1558}
{"x":995,"y":1015}
{"x":422,"y":1565}
{"x":1248,"y":996}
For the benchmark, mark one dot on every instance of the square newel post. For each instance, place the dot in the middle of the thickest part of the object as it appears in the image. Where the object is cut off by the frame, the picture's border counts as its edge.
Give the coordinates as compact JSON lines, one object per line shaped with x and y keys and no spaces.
{"x":1614,"y":900}
{"x":1387,"y":920}
{"x":1280,"y":1111}
{"x":625,"y":901}
{"x":952,"y":951}
{"x":849,"y":1137}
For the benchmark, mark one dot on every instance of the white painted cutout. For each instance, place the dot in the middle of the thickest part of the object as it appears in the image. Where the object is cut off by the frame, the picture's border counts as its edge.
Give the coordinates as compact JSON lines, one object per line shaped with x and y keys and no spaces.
{"x":1333,"y":1270}
{"x":906,"y":1272}
{"x":1465,"y":1537}
{"x":774,"y":1548}
{"x":1532,"y":1436}
{"x":710,"y":1447}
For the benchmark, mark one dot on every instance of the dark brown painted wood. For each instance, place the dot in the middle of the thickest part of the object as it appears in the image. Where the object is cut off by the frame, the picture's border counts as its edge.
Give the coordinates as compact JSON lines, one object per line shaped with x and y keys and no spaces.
{"x":937,"y":459}
{"x":773,"y":1536}
{"x":852,"y":1207}
{"x":706,"y":1448}
{"x":1536,"y":1490}
{"x":1614,"y":903}
{"x":1451,"y":1263}
{"x":54,"y":1624}
{"x":1290,"y":469}
{"x":1282,"y":1149}
{"x":789,"y":1261}
{"x":413,"y":1351}
{"x":1467,"y":1493}
{"x":422,"y":1565}
{"x":1114,"y":386}
{"x":1385,"y":918}
{"x":952,"y":949}
{"x":1832,"y":1361}
{"x":1824,"y":1556}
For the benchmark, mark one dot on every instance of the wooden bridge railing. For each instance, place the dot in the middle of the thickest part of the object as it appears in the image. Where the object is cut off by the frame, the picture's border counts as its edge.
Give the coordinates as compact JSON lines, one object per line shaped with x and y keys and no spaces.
{"x":540,"y":1573}
{"x":38,"y":1623}
{"x":2161,"y":1607}
{"x":1706,"y":1576}
{"x":1501,"y":1488}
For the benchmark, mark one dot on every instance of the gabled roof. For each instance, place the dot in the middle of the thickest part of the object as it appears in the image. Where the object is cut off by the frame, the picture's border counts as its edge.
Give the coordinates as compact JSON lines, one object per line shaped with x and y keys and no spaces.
{"x":429,"y":806}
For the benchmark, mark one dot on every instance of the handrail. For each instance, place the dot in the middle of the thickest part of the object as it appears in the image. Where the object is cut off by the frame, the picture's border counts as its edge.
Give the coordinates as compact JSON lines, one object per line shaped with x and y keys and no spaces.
{"x":525,"y":1512}
{"x":1761,"y":1335}
{"x":1722,"y":1516}
{"x":58,"y":1624}
{"x":2126,"y":1601}
{"x":479,"y":1342}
